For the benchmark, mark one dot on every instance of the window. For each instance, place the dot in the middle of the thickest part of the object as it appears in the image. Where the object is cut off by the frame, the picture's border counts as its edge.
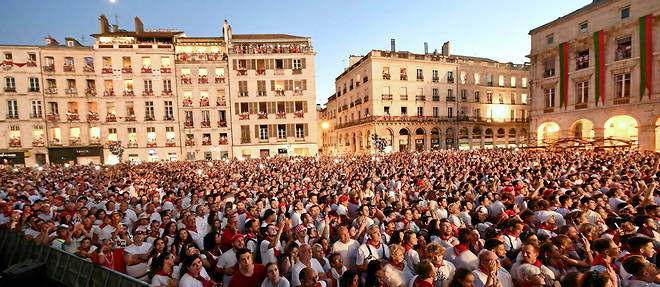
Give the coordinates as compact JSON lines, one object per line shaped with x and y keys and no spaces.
{"x":549,"y":97}
{"x":523,"y":99}
{"x":169,"y":110}
{"x":297,"y":64}
{"x":386,"y":110}
{"x":489,"y":97}
{"x":435,"y":76}
{"x":403,"y":93}
{"x":34,"y":84}
{"x":436,"y":112}
{"x":450,"y":77}
{"x":524,"y":82}
{"x":489,"y":80}
{"x":281,"y":131}
{"x":622,"y":88}
{"x":625,"y":12}
{"x":263,"y":132}
{"x":420,"y":111}
{"x":582,"y":59}
{"x":8,"y":56}
{"x":501,"y":80}
{"x":206,"y":116}
{"x":12,"y":109}
{"x":167,"y":85}
{"x":300,"y":130}
{"x":242,"y":89}
{"x":148,"y":86}
{"x":476,"y":96}
{"x":513,"y":98}
{"x":450,"y":95}
{"x":53,"y":108}
{"x":420,"y":74}
{"x":584,"y":27}
{"x":404,"y":110}
{"x":149,"y":111}
{"x":189,"y":116}
{"x":464,"y":95}
{"x":36,"y":109}
{"x":513,"y":82}
{"x":436,"y":94}
{"x":476,"y":78}
{"x":623,"y":48}
{"x":450,"y":112}
{"x":10,"y":84}
{"x":549,"y":67}
{"x":582,"y":92}
{"x":476,"y":113}
{"x":550,"y":39}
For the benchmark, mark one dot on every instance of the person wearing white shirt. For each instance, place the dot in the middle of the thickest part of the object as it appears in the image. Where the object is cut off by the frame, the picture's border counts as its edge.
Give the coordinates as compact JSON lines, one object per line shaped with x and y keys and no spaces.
{"x":346,"y":247}
{"x":136,"y":256}
{"x":490,"y":273}
{"x":460,"y":254}
{"x":397,"y":270}
{"x":373,"y":249}
{"x":444,"y":270}
{"x":306,"y":260}
{"x":643,"y":272}
{"x":227,"y":260}
{"x":193,"y":273}
{"x":273,"y":278}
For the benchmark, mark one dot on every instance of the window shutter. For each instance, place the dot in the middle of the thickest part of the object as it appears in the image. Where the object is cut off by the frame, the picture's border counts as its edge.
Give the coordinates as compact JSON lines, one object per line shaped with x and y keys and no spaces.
{"x":304,"y":84}
{"x":256,"y":131}
{"x":288,"y":107}
{"x":272,"y":85}
{"x":237,"y":108}
{"x":287,"y":86}
{"x":235,"y":64}
{"x":302,"y":63}
{"x":304,"y":106}
{"x":287,"y":63}
{"x":290,"y":130}
{"x":270,"y":107}
{"x":269,"y":64}
{"x":252,"y":64}
{"x":272,"y":131}
{"x":252,"y":108}
{"x":306,"y":131}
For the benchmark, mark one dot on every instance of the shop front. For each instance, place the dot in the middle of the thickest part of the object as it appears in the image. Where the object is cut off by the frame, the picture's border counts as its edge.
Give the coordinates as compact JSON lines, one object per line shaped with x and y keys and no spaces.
{"x":77,"y":155}
{"x":13,"y":158}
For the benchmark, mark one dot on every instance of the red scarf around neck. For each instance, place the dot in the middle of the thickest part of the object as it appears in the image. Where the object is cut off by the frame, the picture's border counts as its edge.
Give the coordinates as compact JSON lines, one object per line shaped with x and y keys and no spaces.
{"x":205,"y":283}
{"x":460,"y":249}
{"x":398,"y":266}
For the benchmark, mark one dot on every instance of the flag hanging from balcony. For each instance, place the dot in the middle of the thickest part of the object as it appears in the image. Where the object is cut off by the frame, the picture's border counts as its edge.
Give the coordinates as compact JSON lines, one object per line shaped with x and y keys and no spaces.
{"x":599,"y":52}
{"x":645,"y":54}
{"x":563,"y":75}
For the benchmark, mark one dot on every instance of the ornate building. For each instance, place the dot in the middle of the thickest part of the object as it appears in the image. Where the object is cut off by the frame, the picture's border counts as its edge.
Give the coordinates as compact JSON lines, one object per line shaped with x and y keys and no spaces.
{"x":415,"y":102}
{"x":595,"y":78}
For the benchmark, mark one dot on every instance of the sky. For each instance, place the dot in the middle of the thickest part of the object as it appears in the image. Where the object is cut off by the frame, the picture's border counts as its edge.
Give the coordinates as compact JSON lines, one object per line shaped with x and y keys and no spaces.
{"x":484,"y":28}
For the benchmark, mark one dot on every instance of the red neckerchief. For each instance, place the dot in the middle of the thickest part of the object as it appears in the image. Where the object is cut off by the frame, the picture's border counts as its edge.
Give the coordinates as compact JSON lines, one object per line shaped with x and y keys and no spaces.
{"x":163,"y":273}
{"x":396,"y":265}
{"x":445,"y":238}
{"x":545,"y":227}
{"x":538,"y":263}
{"x":406,"y":247}
{"x":377,"y":246}
{"x":598,"y":260}
{"x":191,"y":228}
{"x":250,"y":236}
{"x":419,"y":282}
{"x":205,"y":283}
{"x":439,"y":265}
{"x":625,"y":256}
{"x":275,"y":250}
{"x":483,"y":271}
{"x":381,"y":283}
{"x":509,"y":233}
{"x":460,"y":248}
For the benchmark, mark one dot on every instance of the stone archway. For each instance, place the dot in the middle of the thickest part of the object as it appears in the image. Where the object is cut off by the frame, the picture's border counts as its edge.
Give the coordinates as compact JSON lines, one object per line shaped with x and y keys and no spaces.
{"x":435,"y":139}
{"x":582,"y":129}
{"x":419,"y":139}
{"x":547,"y":132}
{"x":404,"y":139}
{"x":621,"y":127}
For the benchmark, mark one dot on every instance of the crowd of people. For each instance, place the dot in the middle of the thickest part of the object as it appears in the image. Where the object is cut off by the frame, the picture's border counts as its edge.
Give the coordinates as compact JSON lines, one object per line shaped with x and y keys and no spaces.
{"x":486,"y":218}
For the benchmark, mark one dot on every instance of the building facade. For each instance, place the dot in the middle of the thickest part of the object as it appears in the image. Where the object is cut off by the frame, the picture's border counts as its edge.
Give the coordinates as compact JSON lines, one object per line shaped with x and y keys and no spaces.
{"x":148,"y":95}
{"x":415,"y":102}
{"x":595,"y":75}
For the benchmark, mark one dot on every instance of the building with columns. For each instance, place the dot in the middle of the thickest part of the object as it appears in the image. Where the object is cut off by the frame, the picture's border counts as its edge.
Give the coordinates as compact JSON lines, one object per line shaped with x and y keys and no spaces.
{"x":425,"y":101}
{"x":595,"y":75}
{"x":159,"y":95}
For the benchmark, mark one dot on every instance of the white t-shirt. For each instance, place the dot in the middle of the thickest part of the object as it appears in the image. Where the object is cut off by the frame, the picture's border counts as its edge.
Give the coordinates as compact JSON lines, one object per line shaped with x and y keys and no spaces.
{"x":283,"y":283}
{"x":225,"y":261}
{"x":268,"y":254}
{"x":140,"y":269}
{"x":189,"y":281}
{"x":366,"y":253}
{"x":396,"y":277}
{"x":467,"y":259}
{"x":299,"y":266}
{"x":503,"y":276}
{"x":348,"y":252}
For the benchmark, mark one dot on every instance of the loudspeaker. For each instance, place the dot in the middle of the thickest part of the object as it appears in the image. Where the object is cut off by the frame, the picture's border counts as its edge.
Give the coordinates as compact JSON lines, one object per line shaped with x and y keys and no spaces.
{"x":26,"y":273}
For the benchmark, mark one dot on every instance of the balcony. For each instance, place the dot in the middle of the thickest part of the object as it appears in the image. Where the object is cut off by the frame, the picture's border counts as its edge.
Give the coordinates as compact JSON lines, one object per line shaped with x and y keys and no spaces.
{"x":280,"y":115}
{"x":14,"y":142}
{"x":192,"y":57}
{"x":106,"y":70}
{"x":95,"y":141}
{"x":12,"y":116}
{"x":190,"y":142}
{"x":261,"y":72}
{"x":56,"y":141}
{"x":165,"y":70}
{"x":245,"y":140}
{"x":220,"y":103}
{"x":168,"y":118}
{"x":206,"y":124}
{"x":146,"y":70}
{"x":188,"y":124}
{"x":10,"y":90}
{"x":109,"y":93}
{"x":420,"y":98}
{"x":299,"y":114}
{"x":206,"y":141}
{"x":127,"y":70}
{"x":244,"y":116}
{"x":223,"y":141}
{"x":167,"y":92}
{"x":420,"y":79}
{"x":170,"y":143}
{"x":220,"y":80}
{"x":186,"y":80}
{"x":403,"y":77}
{"x":35,"y":116}
{"x":74,"y":141}
{"x":261,"y":93}
{"x":548,"y":110}
{"x":464,"y":99}
{"x":580,"y":106}
{"x":546,"y":74}
{"x":132,"y":144}
{"x":130,"y":118}
{"x":204,"y":102}
{"x":279,"y":92}
{"x":72,"y":116}
{"x":262,"y":115}
{"x":270,"y":48}
{"x":386,"y":76}
{"x":149,"y":118}
{"x":298,"y":92}
{"x":403,"y":97}
{"x":92,"y":116}
{"x":450,"y":80}
{"x":128,"y":93}
{"x":435,"y":80}
{"x":110,"y":118}
{"x":242,"y":94}
{"x":88,"y":68}
{"x":151,"y":143}
{"x":187,"y":102}
{"x":222,"y":124}
{"x":147,"y":93}
{"x":69,"y":68}
{"x":90,"y":92}
{"x":51,"y":68}
{"x":31,"y":63}
{"x":38,"y":143}
{"x":387,"y":97}
{"x":622,"y":101}
{"x":52,"y":117}
{"x":451,"y":99}
{"x":242,"y":72}
{"x":71,"y":91}
{"x":203,"y":79}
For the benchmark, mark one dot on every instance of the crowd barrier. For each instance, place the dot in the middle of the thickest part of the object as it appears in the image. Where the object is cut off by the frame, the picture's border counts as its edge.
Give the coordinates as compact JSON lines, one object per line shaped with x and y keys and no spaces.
{"x":61,"y":267}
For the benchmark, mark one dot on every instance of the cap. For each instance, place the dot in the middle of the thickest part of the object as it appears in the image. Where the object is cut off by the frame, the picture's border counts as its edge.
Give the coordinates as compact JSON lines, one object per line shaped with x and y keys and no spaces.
{"x":300,"y":228}
{"x":144,"y":216}
{"x":343,"y":198}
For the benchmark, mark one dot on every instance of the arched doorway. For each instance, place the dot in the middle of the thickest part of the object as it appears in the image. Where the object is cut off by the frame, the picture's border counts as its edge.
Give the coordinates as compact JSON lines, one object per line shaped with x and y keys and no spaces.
{"x":547,"y":132}
{"x":404,"y":138}
{"x":464,"y":138}
{"x":354,"y":143}
{"x":449,"y":138}
{"x":419,"y":139}
{"x":522,"y":139}
{"x":512,"y":137}
{"x":435,"y":139}
{"x":582,"y":129}
{"x":621,"y":127}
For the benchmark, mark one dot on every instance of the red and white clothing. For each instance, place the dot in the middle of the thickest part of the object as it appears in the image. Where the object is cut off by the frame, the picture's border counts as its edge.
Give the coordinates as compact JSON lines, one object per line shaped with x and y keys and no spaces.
{"x":462,"y":257}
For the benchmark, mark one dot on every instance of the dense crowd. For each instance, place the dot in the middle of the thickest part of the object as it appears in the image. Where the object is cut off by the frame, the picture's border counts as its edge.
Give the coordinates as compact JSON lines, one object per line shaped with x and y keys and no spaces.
{"x":495,"y":218}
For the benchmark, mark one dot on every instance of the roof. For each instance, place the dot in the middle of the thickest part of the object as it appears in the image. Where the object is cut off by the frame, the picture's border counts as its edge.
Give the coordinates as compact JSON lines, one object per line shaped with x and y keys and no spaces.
{"x":264,"y":36}
{"x":474,"y":58}
{"x":148,"y":34}
{"x":594,"y":3}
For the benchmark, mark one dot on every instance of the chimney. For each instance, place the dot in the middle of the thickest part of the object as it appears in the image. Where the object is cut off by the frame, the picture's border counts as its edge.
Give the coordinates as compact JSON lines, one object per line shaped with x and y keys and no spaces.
{"x":115,"y":28}
{"x":393,"y":45}
{"x":104,"y":26}
{"x":446,"y":49}
{"x":426,"y":48}
{"x":139,"y":26}
{"x":50,"y":41}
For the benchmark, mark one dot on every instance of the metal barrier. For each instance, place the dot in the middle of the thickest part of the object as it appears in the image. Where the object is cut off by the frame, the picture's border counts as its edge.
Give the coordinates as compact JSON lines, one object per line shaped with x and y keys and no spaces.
{"x":61,"y":267}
